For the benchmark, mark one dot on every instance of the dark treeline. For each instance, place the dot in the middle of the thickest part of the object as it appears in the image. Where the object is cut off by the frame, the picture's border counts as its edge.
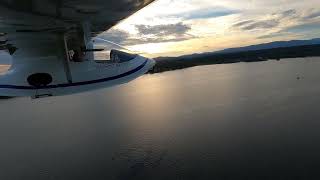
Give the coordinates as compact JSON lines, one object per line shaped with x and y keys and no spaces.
{"x":173,"y":63}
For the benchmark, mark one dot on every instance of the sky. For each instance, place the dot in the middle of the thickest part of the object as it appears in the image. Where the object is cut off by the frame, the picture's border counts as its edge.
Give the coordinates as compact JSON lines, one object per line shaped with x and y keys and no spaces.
{"x":179,"y":27}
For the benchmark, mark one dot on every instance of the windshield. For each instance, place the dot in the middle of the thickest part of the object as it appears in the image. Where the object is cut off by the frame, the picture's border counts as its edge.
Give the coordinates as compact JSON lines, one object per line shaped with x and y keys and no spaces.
{"x":109,"y":50}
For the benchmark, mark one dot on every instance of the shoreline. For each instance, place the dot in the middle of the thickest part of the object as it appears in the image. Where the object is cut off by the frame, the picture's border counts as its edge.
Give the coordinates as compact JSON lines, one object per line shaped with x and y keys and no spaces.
{"x":164,"y":64}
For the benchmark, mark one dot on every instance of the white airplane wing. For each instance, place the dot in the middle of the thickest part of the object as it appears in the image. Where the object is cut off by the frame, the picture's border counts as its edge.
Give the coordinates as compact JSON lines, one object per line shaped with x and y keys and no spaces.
{"x":50,"y":15}
{"x":47,"y":37}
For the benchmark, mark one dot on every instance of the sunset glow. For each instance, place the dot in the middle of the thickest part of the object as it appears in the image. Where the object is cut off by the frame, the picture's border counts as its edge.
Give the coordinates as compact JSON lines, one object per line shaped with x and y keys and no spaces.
{"x":178,"y":27}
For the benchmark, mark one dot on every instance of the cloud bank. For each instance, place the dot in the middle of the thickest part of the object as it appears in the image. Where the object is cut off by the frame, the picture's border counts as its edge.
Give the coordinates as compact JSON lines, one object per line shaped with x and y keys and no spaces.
{"x":191,"y":26}
{"x":150,"y":34}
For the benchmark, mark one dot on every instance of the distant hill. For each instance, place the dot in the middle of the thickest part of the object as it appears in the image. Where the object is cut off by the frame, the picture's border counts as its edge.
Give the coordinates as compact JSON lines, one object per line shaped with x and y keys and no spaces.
{"x":271,"y":45}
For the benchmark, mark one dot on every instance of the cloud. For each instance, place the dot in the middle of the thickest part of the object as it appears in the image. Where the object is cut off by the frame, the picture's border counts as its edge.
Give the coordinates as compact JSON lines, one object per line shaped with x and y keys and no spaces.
{"x":262,"y":25}
{"x":274,"y":35}
{"x":242,"y":23}
{"x":303,"y":28}
{"x":289,"y":23}
{"x":162,"y":33}
{"x":135,"y":41}
{"x":251,"y":24}
{"x":289,"y":13}
{"x":273,"y":21}
{"x":207,"y":13}
{"x":192,"y":11}
{"x":163,"y":30}
{"x":300,"y":29}
{"x":313,"y":15}
{"x":149,"y":34}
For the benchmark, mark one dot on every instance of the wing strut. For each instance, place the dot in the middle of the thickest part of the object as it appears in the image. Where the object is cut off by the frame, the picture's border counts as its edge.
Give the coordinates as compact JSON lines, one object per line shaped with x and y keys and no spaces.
{"x":66,"y":60}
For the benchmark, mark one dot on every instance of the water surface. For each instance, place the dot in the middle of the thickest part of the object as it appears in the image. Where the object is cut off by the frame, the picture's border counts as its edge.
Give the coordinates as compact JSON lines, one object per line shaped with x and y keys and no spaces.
{"x":237,"y":121}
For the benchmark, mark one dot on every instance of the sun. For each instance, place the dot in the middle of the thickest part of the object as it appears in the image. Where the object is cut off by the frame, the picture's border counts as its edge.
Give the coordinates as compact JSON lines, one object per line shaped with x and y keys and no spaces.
{"x":150,"y":48}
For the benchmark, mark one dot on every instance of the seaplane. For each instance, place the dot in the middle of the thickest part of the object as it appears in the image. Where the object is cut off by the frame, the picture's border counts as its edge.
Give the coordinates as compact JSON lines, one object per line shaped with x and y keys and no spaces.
{"x":51,"y":43}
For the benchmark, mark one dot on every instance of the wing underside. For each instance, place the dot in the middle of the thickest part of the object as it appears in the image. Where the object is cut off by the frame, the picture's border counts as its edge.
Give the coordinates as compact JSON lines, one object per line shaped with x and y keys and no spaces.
{"x":57,"y":15}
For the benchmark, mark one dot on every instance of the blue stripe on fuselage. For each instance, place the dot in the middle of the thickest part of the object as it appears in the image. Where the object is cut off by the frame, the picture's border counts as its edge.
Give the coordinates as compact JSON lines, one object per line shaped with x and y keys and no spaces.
{"x":76,"y":83}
